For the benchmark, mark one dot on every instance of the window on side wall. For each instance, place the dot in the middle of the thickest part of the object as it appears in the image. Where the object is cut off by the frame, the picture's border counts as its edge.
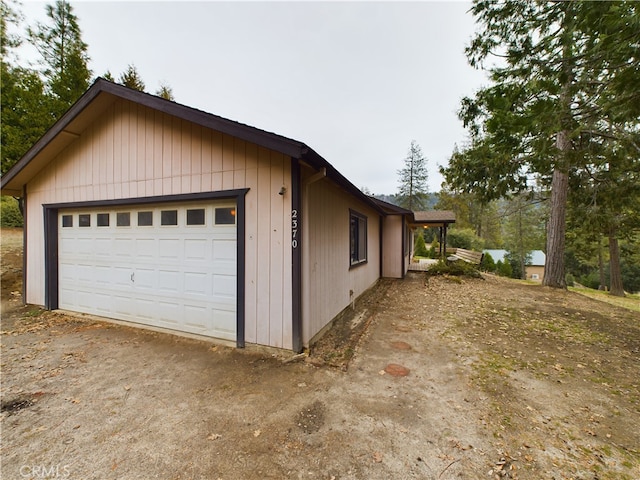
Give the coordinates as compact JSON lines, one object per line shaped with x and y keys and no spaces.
{"x":358,"y":237}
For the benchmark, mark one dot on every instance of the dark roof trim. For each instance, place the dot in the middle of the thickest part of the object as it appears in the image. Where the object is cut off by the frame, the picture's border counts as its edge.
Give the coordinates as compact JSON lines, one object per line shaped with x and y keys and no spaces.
{"x":391,"y":208}
{"x":272,"y":141}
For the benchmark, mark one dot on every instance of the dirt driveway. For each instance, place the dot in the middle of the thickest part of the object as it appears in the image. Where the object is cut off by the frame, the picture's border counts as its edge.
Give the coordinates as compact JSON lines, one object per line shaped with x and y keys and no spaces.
{"x":505,"y":380}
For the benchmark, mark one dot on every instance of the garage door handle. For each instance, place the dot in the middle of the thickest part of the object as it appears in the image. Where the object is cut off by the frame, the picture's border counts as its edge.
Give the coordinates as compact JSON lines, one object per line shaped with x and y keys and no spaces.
{"x":132,"y":276}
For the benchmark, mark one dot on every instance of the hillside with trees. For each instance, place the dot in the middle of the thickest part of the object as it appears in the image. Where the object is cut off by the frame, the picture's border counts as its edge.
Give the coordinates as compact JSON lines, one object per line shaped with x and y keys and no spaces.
{"x":560,"y":121}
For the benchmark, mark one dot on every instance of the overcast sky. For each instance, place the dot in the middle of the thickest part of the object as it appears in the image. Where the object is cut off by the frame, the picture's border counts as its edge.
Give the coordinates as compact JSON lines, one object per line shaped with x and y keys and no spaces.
{"x":354,"y":81}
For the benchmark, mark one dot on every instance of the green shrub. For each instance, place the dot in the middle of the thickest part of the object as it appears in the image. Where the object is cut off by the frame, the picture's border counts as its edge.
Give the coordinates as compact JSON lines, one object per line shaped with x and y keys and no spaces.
{"x":456,"y":268}
{"x":591,"y":280}
{"x":464,"y":238}
{"x":10,"y":215}
{"x":420,"y":249}
{"x":488,"y":263}
{"x":504,"y":269}
{"x":570,"y":279}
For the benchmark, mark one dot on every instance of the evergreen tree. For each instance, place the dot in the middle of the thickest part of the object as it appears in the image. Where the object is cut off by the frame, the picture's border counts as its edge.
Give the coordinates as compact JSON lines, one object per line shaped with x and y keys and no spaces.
{"x":131,"y":78}
{"x":474,"y":213}
{"x":567,"y":78}
{"x":25,"y":115}
{"x":64,"y":55}
{"x":420,"y":247}
{"x":413,"y":179}
{"x":166,"y":92}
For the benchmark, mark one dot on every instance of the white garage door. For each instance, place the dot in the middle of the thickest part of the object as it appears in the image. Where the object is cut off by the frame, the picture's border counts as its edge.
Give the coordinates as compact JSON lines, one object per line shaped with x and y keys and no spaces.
{"x":170,"y":266}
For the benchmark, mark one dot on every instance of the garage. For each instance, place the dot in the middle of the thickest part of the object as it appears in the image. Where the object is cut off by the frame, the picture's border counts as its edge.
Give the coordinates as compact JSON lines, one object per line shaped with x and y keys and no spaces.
{"x":172,"y":266}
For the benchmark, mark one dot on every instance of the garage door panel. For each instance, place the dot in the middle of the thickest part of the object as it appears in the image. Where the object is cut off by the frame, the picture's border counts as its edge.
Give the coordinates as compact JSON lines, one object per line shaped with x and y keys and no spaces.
{"x":198,"y":317}
{"x":103,"y":247}
{"x":147,"y":309}
{"x":123,"y":247}
{"x":169,"y":248}
{"x":179,"y":277}
{"x":103,"y":303}
{"x":145,"y":278}
{"x":123,"y":305}
{"x":197,"y":283}
{"x":224,"y":250}
{"x":169,"y":313}
{"x":224,"y":286}
{"x":169,"y":282}
{"x":102,"y":274}
{"x":121,"y":276}
{"x":196,"y":249}
{"x":146,"y":248}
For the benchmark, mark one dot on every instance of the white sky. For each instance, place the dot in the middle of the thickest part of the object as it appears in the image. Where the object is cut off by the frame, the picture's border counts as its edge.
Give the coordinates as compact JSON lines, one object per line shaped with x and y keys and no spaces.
{"x":354,"y":81}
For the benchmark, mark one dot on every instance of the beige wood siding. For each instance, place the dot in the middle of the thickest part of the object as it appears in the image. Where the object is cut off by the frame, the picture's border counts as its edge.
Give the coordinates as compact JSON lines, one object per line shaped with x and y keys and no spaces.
{"x":329,"y":283}
{"x":392,"y":261}
{"x":535,"y":270}
{"x":132,"y":151}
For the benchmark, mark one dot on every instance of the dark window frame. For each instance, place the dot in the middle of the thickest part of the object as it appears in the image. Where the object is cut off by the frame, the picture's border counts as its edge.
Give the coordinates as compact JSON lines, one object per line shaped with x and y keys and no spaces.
{"x":120,"y":219}
{"x":167,"y":216}
{"x":100,"y":219}
{"x":196,"y":217}
{"x":358,"y":242}
{"x":221,"y":219}
{"x":144,"y":214}
{"x":84,"y":220}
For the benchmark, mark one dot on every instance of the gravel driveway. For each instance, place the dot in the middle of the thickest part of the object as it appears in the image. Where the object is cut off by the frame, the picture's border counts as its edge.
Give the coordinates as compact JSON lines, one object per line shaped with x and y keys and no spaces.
{"x":86,"y":399}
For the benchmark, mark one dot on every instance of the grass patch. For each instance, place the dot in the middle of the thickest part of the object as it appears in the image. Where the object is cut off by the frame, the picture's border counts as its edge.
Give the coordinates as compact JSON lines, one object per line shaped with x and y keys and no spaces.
{"x":630,"y":302}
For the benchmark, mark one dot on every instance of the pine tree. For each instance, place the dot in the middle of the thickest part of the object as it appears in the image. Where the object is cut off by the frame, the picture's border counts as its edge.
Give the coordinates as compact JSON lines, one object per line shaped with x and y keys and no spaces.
{"x":131,"y":78}
{"x":566,"y":79}
{"x":25,"y":113}
{"x":64,"y":55}
{"x":166,"y":92}
{"x":413,"y":179}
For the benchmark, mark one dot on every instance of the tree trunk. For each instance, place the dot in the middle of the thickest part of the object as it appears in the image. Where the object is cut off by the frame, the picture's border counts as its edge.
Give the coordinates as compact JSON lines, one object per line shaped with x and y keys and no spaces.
{"x":603,"y":281}
{"x":615,"y":273}
{"x":554,"y":262}
{"x":557,"y":226}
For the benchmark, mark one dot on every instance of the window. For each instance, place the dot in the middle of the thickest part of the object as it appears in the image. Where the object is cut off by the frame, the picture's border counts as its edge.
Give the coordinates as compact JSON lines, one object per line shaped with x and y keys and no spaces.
{"x":123,"y":219}
{"x":102,"y":220}
{"x":84,"y":220}
{"x":195,"y":216}
{"x":358,"y":238}
{"x":145,"y":219}
{"x":168,"y":217}
{"x":225,"y":216}
{"x":67,"y":220}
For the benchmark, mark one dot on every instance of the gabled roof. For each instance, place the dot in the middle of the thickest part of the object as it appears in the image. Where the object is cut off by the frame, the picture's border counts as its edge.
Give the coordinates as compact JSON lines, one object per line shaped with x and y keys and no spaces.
{"x":102,"y":94}
{"x":434,"y":218}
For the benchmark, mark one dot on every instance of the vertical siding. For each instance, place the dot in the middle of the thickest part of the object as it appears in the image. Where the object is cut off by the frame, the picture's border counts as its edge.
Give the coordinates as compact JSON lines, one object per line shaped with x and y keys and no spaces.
{"x":328,"y":278}
{"x":392,"y":260}
{"x":132,"y":151}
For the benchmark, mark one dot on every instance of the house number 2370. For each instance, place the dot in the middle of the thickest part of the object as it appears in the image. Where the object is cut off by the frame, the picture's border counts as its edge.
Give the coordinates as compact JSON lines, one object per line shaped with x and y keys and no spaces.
{"x":294,"y":228}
